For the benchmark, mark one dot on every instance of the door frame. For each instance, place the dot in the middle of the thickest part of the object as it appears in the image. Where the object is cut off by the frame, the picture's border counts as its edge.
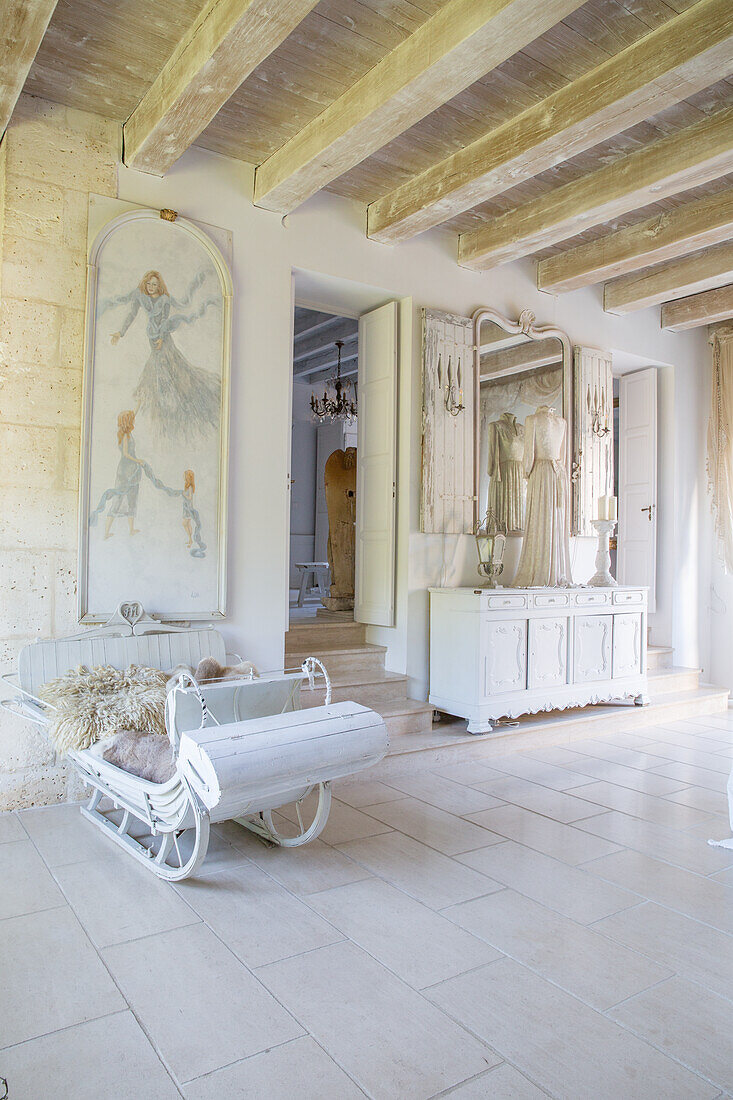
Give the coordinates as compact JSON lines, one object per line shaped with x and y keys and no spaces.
{"x":322,"y":304}
{"x":619,"y":542}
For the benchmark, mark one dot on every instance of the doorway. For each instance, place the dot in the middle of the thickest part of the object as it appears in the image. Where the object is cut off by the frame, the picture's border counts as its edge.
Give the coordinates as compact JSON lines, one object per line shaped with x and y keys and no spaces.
{"x":321,"y":340}
{"x":635,"y":475}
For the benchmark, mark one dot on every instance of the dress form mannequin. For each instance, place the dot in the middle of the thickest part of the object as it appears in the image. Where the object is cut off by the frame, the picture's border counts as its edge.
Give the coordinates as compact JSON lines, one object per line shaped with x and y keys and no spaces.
{"x":506,"y":448}
{"x":545,"y":557}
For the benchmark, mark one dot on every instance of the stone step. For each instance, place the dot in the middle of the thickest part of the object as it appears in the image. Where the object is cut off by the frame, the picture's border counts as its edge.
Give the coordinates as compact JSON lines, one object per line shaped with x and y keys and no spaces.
{"x":342,"y":659}
{"x":667,"y":681}
{"x":310,"y":635}
{"x":406,"y":717}
{"x":448,"y":742}
{"x":368,"y":688}
{"x":658,"y":656}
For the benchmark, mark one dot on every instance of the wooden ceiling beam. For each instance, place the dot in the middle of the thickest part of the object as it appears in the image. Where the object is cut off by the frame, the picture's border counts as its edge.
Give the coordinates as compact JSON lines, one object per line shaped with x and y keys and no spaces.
{"x":685,"y":159}
{"x":224,"y":44}
{"x":461,"y":42}
{"x":525,"y":356}
{"x":324,"y":339}
{"x":684,"y":55}
{"x":707,"y":308}
{"x":310,"y":320}
{"x":713,"y":267}
{"x":24,"y":25}
{"x":666,"y":236}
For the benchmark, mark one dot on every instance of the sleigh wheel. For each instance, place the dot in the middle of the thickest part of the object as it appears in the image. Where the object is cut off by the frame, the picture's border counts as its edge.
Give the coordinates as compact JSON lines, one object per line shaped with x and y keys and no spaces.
{"x":305,"y":829}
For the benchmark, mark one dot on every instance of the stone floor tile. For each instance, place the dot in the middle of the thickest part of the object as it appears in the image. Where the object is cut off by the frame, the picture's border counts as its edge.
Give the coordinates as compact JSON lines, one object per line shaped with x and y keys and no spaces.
{"x":51,"y":976}
{"x":693,"y":950}
{"x":575,"y":1052}
{"x":200,"y":1006}
{"x":445,"y":832}
{"x":696,"y":896}
{"x":567,"y":890}
{"x":62,"y":835}
{"x":421,"y":872}
{"x":671,"y":845}
{"x":579,"y":960}
{"x":299,"y":1069}
{"x":687,"y":1022}
{"x":26,"y":884}
{"x":255,"y":916}
{"x":417,"y":944}
{"x":554,"y":839}
{"x":445,"y":794}
{"x":384,"y":1034}
{"x":118,"y":899}
{"x":645,"y":806}
{"x":315,"y":866}
{"x":105,"y":1059}
{"x":11,"y":828}
{"x":542,"y":800}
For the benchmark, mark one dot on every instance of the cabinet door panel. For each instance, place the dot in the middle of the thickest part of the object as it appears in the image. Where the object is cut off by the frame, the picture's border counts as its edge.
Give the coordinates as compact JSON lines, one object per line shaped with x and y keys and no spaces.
{"x":548,"y":652}
{"x":592,"y":648}
{"x":626,"y":645}
{"x":505,"y":657}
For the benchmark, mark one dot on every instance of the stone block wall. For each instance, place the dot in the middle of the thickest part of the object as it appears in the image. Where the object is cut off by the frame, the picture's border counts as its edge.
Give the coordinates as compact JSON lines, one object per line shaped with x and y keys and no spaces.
{"x":51,"y":158}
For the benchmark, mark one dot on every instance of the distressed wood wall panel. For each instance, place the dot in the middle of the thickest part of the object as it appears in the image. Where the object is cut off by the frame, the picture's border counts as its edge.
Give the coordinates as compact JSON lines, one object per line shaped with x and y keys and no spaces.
{"x":592,"y":384}
{"x":447,"y":441}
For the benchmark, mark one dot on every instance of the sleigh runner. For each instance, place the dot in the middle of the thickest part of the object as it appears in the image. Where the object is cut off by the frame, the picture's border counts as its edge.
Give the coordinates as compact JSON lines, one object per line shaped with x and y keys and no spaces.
{"x":241,"y":748}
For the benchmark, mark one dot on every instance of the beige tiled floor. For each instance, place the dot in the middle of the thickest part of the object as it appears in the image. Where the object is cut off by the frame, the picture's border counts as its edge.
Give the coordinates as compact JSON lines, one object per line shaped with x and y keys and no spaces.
{"x":545,"y":923}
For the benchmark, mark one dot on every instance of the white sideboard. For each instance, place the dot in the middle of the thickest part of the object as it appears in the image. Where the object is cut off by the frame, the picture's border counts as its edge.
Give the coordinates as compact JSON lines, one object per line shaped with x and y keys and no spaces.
{"x":501,"y":652}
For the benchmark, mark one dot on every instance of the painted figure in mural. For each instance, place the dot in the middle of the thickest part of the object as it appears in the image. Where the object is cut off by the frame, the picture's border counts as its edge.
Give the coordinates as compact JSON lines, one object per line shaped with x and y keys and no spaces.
{"x":127,"y":480}
{"x":177,"y":396}
{"x":189,"y":488}
{"x":122,"y":496}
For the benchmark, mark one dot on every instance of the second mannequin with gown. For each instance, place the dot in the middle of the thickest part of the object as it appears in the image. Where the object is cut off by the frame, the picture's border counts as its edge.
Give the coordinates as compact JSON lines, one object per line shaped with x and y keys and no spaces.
{"x":506,"y":448}
{"x":545,"y":557}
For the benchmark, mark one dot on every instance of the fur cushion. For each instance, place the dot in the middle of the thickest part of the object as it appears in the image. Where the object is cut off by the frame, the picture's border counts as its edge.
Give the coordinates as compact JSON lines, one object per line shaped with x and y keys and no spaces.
{"x":95,"y":702}
{"x":210,"y":669}
{"x":148,"y":755}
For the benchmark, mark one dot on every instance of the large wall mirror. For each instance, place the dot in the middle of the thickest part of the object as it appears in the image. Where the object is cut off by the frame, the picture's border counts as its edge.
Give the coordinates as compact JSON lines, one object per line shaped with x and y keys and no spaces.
{"x":520,"y":367}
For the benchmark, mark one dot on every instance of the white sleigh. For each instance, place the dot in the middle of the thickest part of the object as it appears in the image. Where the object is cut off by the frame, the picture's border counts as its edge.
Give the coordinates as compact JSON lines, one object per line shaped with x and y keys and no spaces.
{"x":242,"y":748}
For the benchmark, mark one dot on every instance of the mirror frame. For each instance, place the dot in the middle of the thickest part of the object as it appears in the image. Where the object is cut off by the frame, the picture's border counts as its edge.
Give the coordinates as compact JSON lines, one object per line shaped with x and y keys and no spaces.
{"x":525,"y":326}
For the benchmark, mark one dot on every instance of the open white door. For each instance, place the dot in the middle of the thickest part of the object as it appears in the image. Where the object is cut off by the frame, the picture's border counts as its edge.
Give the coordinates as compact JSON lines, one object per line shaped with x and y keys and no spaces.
{"x":637,"y":530}
{"x":376,"y":459}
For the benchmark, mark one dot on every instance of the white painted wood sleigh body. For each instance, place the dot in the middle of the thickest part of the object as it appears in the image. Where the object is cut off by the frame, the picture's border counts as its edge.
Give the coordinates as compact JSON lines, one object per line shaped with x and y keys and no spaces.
{"x":242,"y":748}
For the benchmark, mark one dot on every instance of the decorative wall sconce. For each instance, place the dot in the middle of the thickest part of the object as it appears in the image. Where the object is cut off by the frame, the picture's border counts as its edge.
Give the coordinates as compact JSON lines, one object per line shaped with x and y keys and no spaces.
{"x":598,"y":413}
{"x":453,"y":406}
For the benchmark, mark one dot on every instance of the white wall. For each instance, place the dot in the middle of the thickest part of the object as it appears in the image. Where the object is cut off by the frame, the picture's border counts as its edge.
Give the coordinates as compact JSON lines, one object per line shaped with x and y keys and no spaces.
{"x":327,"y":236}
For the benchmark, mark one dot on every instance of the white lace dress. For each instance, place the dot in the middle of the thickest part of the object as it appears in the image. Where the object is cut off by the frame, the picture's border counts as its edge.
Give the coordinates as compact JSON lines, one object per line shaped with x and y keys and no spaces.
{"x":506,"y":487}
{"x":545,"y":557}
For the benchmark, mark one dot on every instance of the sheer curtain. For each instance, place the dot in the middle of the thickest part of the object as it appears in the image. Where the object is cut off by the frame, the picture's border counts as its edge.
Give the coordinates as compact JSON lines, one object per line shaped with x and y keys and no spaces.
{"x":720,"y":445}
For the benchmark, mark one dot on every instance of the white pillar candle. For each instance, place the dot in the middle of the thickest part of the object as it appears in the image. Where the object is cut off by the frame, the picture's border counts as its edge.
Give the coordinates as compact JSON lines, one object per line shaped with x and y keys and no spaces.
{"x":603,"y":507}
{"x":612,"y":508}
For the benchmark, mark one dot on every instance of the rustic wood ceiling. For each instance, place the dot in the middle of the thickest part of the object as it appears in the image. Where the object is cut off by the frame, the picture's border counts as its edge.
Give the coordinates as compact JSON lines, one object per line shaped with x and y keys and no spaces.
{"x":103,"y":56}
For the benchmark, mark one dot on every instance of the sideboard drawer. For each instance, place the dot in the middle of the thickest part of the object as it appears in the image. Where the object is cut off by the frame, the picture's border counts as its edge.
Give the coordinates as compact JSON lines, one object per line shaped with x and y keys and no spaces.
{"x":634,"y":598}
{"x":592,"y":598}
{"x":497,"y":602}
{"x":561,"y":599}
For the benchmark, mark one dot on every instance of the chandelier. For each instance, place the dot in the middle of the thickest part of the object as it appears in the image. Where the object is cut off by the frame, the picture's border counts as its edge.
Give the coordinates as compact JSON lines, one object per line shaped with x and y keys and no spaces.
{"x":338,"y":404}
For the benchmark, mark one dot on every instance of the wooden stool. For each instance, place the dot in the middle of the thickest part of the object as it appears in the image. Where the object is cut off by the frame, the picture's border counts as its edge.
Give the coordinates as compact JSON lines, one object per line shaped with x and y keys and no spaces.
{"x":313,"y":574}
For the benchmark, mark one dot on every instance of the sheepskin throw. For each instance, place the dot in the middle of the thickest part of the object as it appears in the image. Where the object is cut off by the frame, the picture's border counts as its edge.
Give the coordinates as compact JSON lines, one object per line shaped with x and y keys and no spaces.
{"x":93,"y":703}
{"x":210,"y":669}
{"x":148,"y":755}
